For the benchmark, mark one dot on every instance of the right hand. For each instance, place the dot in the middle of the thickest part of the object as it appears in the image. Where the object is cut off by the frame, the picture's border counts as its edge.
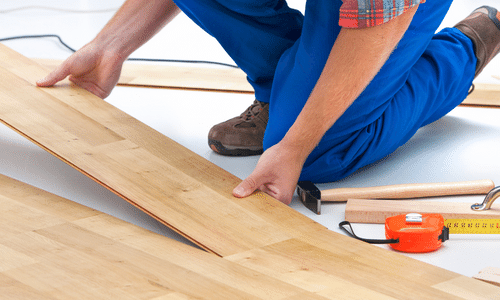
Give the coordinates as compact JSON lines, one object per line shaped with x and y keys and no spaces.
{"x":276,"y":174}
{"x":94,"y":70}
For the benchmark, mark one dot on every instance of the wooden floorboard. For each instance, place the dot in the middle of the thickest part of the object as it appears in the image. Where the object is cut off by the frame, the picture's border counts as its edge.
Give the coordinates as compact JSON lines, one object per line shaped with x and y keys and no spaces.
{"x":53,"y":248}
{"x":177,"y":77}
{"x":193,"y":196}
{"x":169,"y":180}
{"x":484,"y":95}
{"x":234,"y":80}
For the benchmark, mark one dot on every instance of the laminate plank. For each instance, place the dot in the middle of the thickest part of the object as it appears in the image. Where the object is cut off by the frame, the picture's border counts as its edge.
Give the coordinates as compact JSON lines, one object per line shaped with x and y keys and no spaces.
{"x":484,"y":95}
{"x":463,"y":288}
{"x":193,"y":196}
{"x":326,"y":270}
{"x":490,"y":275}
{"x":175,"y":180}
{"x":207,"y":79}
{"x":13,"y":289}
{"x":92,"y":255}
{"x":234,"y":80}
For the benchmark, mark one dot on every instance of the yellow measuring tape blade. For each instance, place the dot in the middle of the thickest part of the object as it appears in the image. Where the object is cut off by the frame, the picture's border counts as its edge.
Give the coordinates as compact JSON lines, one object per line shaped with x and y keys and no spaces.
{"x":473,"y":226}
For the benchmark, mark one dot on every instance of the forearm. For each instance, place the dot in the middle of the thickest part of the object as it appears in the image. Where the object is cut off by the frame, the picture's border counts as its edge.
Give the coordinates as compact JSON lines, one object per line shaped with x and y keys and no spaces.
{"x":134,"y":24}
{"x":356,"y":57}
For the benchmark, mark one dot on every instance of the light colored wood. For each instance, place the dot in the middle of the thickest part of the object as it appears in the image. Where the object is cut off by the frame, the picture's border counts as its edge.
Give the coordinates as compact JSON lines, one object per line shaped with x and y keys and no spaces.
{"x":486,"y":95}
{"x":376,"y":211}
{"x":193,"y":196}
{"x":463,"y":288}
{"x":164,"y":76}
{"x":405,"y":191}
{"x":139,"y":164}
{"x":85,"y":254}
{"x":234,"y":80}
{"x":52,"y":248}
{"x":489,"y":275}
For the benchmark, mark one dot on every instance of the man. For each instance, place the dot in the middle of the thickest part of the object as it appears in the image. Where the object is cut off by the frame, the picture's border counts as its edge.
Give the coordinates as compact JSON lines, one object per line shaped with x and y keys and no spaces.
{"x":338,"y":92}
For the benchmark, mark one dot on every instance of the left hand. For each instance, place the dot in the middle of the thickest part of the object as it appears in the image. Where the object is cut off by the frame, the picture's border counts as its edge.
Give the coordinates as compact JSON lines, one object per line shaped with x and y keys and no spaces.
{"x":276,"y":174}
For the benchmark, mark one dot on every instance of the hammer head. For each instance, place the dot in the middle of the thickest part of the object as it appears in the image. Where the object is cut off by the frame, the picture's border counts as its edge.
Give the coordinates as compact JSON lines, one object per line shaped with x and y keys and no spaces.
{"x":310,"y":195}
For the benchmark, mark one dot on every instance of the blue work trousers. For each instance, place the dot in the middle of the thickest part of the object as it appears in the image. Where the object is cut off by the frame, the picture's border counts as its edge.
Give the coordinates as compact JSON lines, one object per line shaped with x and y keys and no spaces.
{"x":284,"y":52}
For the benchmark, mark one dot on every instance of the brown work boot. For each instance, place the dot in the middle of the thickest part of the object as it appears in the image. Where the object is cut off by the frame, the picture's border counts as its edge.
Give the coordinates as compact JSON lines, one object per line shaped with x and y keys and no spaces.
{"x":482,"y":26}
{"x":243,"y":135}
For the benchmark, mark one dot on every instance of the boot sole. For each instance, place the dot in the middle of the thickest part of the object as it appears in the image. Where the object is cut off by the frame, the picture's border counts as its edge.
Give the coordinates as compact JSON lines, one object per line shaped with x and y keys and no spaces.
{"x":217,"y":147}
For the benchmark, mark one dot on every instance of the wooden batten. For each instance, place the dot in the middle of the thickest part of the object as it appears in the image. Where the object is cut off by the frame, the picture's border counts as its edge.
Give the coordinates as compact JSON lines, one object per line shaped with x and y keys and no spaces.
{"x":376,"y":211}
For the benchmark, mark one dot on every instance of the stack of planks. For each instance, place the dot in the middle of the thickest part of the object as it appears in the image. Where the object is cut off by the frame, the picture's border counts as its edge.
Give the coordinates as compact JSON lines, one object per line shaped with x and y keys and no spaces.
{"x":258,"y":247}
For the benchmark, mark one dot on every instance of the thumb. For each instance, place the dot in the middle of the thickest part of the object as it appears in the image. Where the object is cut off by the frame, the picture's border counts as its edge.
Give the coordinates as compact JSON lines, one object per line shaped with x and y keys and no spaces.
{"x":246,"y":187}
{"x":54,"y":77}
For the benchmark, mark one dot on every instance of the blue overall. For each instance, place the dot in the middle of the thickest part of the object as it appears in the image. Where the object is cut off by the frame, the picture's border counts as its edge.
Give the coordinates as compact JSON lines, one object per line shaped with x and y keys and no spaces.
{"x":283,"y":53}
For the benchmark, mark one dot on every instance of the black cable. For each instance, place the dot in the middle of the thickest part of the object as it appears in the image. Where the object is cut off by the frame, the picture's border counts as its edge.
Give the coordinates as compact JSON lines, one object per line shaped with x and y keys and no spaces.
{"x":4,"y":11}
{"x":38,"y":36}
{"x":370,"y":241}
{"x":183,"y":61}
{"x":130,"y":59}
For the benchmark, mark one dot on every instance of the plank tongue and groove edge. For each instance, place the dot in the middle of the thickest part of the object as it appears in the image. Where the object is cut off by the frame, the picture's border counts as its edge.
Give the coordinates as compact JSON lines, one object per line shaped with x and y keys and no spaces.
{"x":191,"y":195}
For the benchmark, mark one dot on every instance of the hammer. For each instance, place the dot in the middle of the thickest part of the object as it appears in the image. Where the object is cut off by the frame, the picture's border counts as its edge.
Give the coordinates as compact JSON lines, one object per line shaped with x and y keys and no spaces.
{"x":311,"y":196}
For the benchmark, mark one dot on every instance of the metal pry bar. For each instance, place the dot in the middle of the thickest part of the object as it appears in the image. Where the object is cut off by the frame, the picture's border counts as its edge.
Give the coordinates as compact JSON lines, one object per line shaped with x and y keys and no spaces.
{"x":488,"y":200}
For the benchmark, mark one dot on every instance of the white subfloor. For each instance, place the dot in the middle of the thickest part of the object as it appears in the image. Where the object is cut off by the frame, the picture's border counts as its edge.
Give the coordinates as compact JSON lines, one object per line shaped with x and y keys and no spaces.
{"x":464,"y":145}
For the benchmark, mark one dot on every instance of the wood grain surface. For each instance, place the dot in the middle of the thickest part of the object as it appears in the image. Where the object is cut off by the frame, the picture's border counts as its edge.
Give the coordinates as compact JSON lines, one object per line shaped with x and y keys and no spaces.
{"x":177,"y":77}
{"x":484,"y":95}
{"x":413,"y":190}
{"x":376,"y":211}
{"x":234,"y":80}
{"x":53,"y":248}
{"x":490,"y":275}
{"x":193,"y":196}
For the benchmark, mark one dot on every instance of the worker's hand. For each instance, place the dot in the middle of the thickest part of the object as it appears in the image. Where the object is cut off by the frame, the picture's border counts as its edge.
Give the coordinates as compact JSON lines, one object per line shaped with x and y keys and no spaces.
{"x":276,"y":174}
{"x":94,"y":70}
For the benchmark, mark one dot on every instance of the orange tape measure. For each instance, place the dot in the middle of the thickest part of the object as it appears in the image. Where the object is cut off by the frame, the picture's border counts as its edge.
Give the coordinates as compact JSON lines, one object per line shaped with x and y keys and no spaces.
{"x":413,"y":233}
{"x":417,"y":233}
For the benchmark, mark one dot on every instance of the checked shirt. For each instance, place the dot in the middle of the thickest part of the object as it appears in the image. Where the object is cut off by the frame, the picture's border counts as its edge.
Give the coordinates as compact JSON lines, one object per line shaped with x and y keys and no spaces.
{"x":368,"y":13}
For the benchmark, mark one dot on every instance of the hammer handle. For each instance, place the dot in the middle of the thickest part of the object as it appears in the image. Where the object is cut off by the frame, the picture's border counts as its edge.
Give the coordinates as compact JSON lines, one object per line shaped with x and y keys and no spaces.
{"x":406,"y":191}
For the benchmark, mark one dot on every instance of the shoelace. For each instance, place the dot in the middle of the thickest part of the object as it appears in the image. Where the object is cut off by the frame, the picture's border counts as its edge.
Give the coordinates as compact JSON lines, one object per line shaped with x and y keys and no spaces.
{"x":252,"y":112}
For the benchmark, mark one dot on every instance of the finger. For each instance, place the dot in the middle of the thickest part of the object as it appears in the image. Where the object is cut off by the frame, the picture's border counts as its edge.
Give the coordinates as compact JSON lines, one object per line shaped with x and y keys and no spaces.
{"x":89,"y":86}
{"x":55,"y":76}
{"x":281,"y":194}
{"x":246,"y":187}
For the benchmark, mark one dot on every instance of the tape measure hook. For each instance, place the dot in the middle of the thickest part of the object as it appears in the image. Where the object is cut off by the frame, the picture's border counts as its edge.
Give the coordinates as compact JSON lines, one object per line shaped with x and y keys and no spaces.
{"x":488,"y":200}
